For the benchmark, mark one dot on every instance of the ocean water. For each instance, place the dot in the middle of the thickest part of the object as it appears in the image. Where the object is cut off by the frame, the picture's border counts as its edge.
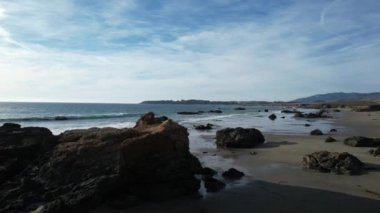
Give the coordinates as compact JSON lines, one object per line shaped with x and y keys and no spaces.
{"x":81,"y":116}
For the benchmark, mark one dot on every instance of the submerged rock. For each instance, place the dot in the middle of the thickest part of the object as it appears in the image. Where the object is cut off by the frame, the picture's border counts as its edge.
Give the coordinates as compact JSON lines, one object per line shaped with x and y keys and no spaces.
{"x":339,"y":163}
{"x":61,"y":118}
{"x":206,"y":171}
{"x":215,"y":111}
{"x":203,"y":127}
{"x":240,"y":108}
{"x":239,"y":137}
{"x":360,"y":141}
{"x":316,"y":132}
{"x":189,"y":113}
{"x":82,"y":169}
{"x":233,"y":174}
{"x":333,"y":130}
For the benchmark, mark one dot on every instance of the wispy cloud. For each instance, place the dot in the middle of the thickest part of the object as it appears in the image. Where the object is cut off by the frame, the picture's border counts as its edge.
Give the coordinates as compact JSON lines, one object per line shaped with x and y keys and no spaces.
{"x":128,"y":51}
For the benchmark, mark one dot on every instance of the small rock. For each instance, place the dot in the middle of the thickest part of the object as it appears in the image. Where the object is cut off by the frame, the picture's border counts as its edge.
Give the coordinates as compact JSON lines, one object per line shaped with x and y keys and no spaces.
{"x":233,"y":174}
{"x":213,"y":185}
{"x":333,"y":130}
{"x":61,"y":118}
{"x":266,"y":110}
{"x":203,"y":127}
{"x":330,"y":139}
{"x":272,"y":117}
{"x":316,"y":132}
{"x":253,"y":153}
{"x":239,"y":137}
{"x":307,"y":125}
{"x":360,"y":141}
{"x":239,"y":108}
{"x":206,"y":171}
{"x":283,"y":117}
{"x":215,"y":111}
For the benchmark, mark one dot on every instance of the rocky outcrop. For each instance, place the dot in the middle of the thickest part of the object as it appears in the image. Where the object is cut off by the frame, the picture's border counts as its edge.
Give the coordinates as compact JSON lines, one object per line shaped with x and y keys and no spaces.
{"x":239,"y":137}
{"x":213,"y":185}
{"x":81,"y":169}
{"x":339,"y":163}
{"x":203,"y":127}
{"x":360,"y":141}
{"x":316,"y":132}
{"x":233,"y":174}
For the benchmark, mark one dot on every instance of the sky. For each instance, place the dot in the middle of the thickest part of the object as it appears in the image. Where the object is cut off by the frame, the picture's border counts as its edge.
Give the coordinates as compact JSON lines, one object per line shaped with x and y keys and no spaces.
{"x":127,"y":51}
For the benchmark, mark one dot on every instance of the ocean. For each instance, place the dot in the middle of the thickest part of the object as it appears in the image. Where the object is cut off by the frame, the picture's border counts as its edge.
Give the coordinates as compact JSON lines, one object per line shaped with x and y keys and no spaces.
{"x":86,"y":115}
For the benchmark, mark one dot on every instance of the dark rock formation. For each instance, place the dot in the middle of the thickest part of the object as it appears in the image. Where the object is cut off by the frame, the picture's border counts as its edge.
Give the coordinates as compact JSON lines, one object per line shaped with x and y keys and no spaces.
{"x":333,"y":130}
{"x":240,"y":108}
{"x":330,"y":139}
{"x":266,"y":110}
{"x":213,"y":185}
{"x":233,"y":174}
{"x":215,"y":111}
{"x":272,"y":117}
{"x":203,"y":127}
{"x":339,"y":163}
{"x":189,"y":113}
{"x":316,"y":132}
{"x":81,"y":169}
{"x":359,"y":141}
{"x":206,"y":171}
{"x":307,"y":125}
{"x":239,"y":137}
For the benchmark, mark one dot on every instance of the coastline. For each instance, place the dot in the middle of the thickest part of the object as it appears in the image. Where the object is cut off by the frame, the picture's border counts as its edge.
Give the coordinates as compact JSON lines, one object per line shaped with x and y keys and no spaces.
{"x":275,"y":180}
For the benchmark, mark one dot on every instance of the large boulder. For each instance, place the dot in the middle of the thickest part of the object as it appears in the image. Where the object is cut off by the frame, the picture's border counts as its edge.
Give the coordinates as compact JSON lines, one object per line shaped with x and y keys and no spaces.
{"x":89,"y":167}
{"x":360,"y":141}
{"x":239,"y":137}
{"x":339,"y":163}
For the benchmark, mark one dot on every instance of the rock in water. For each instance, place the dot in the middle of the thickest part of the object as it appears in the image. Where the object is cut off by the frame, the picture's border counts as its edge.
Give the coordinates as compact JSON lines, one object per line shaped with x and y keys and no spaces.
{"x":272,"y":117}
{"x":359,"y":141}
{"x":203,"y":127}
{"x":213,"y":185}
{"x":240,"y":108}
{"x":233,"y":174}
{"x":239,"y":137}
{"x":339,"y":163}
{"x":88,"y":167}
{"x":316,"y":132}
{"x":208,"y":172}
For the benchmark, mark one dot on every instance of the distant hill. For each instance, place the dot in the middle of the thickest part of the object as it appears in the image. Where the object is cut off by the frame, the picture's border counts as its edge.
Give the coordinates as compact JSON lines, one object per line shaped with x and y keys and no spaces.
{"x":340,"y":96}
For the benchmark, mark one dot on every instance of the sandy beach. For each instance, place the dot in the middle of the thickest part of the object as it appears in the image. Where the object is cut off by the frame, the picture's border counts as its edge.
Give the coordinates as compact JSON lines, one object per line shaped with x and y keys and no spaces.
{"x":275,"y":180}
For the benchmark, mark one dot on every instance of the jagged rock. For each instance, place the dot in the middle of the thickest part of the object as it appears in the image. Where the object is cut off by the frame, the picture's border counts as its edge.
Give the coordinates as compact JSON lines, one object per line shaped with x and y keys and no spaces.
{"x":360,"y":141}
{"x":339,"y":163}
{"x":203,"y":127}
{"x":206,"y":171}
{"x":240,"y":108}
{"x":86,"y":168}
{"x":239,"y":137}
{"x":330,"y":139}
{"x":213,"y":185}
{"x":316,"y":132}
{"x":272,"y":117}
{"x":233,"y":174}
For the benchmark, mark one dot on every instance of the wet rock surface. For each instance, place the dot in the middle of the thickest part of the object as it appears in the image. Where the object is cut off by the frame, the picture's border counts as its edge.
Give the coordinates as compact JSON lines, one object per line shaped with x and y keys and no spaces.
{"x":339,"y":163}
{"x":239,"y":137}
{"x":360,"y":141}
{"x":233,"y":174}
{"x":81,"y":169}
{"x":316,"y":132}
{"x":203,"y":127}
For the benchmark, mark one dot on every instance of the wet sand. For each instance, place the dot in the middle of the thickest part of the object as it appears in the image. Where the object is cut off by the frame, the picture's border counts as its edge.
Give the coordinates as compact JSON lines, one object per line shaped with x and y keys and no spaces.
{"x":275,"y":180}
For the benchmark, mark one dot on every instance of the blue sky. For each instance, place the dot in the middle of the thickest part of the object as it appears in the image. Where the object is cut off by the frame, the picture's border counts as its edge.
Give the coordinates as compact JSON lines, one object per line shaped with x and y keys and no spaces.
{"x":134,"y":50}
